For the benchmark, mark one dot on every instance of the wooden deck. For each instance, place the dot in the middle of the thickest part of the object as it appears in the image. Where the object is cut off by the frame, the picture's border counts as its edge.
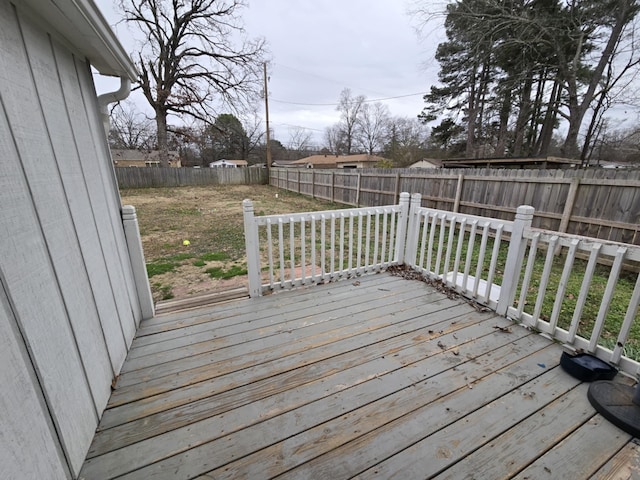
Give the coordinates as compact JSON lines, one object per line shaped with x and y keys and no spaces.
{"x":376,"y":378}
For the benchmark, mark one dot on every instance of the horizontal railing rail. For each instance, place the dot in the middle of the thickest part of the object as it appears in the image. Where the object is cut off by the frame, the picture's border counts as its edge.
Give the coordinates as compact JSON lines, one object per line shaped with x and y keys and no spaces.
{"x":576,"y":290}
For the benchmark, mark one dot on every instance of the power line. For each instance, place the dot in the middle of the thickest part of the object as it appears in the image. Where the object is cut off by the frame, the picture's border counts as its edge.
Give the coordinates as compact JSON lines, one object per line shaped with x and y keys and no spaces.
{"x":327,"y":79}
{"x":336,"y":104}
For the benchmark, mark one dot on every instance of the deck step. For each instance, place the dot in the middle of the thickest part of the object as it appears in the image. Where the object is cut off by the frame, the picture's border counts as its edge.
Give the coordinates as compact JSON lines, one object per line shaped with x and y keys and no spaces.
{"x":172,"y":306}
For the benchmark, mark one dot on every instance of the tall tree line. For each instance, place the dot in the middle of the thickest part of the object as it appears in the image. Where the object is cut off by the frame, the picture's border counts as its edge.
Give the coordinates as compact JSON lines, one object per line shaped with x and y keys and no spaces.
{"x":511,"y":71}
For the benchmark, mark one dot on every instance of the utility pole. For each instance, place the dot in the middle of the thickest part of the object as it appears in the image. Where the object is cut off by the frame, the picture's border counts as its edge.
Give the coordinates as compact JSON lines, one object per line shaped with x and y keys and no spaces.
{"x":266,"y":109}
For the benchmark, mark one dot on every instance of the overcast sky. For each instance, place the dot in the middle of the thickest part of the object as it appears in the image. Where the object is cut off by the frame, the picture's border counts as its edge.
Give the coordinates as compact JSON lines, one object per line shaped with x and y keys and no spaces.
{"x":319,"y":47}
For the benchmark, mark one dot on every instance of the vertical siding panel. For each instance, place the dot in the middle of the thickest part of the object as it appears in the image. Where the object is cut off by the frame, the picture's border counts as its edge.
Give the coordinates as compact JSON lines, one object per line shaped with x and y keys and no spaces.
{"x":65,"y":249}
{"x":100,"y":205}
{"x":23,"y":435}
{"x":125,"y":288}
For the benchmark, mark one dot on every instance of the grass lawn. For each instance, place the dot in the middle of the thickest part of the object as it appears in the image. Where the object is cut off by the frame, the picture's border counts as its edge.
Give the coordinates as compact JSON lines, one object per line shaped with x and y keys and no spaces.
{"x":210,"y":219}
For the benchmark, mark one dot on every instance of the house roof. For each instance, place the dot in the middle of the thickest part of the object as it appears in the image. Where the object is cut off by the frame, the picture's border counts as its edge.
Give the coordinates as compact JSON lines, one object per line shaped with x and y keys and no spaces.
{"x":224,"y":161}
{"x":507,"y":161}
{"x":427,"y":163}
{"x":361,"y":158}
{"x":140,"y":155}
{"x":336,"y":159}
{"x":283,"y":163}
{"x":81,"y":24}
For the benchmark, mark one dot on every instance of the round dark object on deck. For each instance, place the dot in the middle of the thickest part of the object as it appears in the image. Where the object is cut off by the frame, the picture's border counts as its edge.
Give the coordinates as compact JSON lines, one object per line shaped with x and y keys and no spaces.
{"x":614,"y":401}
{"x":586,"y":367}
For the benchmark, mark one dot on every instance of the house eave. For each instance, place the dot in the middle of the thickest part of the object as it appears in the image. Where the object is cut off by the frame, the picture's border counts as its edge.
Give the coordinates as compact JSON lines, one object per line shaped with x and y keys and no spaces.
{"x":81,"y":23}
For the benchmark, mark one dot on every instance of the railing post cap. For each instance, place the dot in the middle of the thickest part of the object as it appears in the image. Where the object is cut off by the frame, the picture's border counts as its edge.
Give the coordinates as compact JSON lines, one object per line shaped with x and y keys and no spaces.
{"x":525,"y":210}
{"x":129,"y":212}
{"x":247,"y":204}
{"x":416,"y":196}
{"x":405,"y":196}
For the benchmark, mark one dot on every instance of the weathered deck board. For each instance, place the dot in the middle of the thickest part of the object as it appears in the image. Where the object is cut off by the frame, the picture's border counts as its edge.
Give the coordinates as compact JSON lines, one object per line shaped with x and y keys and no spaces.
{"x":244,"y":330}
{"x":511,"y":452}
{"x":625,"y":465}
{"x":340,"y":357}
{"x":387,"y":378}
{"x":591,"y":443}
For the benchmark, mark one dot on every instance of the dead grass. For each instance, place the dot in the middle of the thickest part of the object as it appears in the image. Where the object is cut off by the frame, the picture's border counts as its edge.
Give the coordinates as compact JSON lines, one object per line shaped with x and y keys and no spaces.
{"x":210,"y":218}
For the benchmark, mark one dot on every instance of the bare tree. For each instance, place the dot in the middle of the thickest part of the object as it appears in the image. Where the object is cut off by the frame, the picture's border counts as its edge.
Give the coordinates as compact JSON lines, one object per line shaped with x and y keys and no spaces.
{"x":334,"y":139}
{"x":406,"y":141}
{"x":130,"y":128}
{"x":193,"y":56}
{"x":253,"y":126}
{"x":373,"y":125}
{"x":299,"y":139}
{"x":350,"y":108}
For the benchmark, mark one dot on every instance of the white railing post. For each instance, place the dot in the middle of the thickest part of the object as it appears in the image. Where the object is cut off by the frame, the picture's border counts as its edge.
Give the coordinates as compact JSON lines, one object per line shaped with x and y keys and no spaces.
{"x":401,"y":228}
{"x":413,"y":227}
{"x":253,"y":253}
{"x":138,"y":265}
{"x":515,"y":256}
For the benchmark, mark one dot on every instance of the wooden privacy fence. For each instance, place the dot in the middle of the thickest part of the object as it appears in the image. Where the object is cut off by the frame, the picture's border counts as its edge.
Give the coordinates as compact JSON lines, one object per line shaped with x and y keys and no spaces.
{"x":602,"y":203}
{"x":130,"y":177}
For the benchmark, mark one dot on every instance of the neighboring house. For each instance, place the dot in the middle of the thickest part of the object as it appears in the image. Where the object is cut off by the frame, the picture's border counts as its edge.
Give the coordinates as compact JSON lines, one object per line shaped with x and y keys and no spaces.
{"x":284,"y":163}
{"x":427,"y":163}
{"x":228,"y":164}
{"x":69,"y":306}
{"x":338,"y":161}
{"x":143,"y":158}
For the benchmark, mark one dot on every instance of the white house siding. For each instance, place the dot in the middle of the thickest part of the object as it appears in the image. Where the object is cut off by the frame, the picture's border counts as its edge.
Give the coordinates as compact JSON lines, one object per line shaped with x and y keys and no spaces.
{"x":69,"y":309}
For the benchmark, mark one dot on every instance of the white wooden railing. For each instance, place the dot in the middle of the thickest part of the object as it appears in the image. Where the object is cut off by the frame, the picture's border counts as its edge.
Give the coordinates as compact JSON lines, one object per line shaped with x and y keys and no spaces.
{"x":544,"y":280}
{"x":315,"y":247}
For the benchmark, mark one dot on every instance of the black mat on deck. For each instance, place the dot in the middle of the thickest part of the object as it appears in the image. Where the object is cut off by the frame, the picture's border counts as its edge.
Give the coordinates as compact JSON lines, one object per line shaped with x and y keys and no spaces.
{"x":614,"y":401}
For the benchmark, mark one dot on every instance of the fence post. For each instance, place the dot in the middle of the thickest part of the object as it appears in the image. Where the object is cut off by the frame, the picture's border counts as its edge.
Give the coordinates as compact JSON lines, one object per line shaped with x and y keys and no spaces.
{"x":569,"y":204}
{"x":456,"y":203}
{"x":138,"y":265}
{"x":333,"y":187}
{"x":413,"y":226}
{"x":313,"y":183}
{"x":401,"y":229}
{"x":251,"y":244}
{"x":515,"y":256}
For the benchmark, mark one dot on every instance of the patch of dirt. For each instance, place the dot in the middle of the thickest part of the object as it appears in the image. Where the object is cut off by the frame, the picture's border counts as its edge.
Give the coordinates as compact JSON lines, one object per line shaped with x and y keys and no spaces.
{"x":211,"y":219}
{"x":189,"y":280}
